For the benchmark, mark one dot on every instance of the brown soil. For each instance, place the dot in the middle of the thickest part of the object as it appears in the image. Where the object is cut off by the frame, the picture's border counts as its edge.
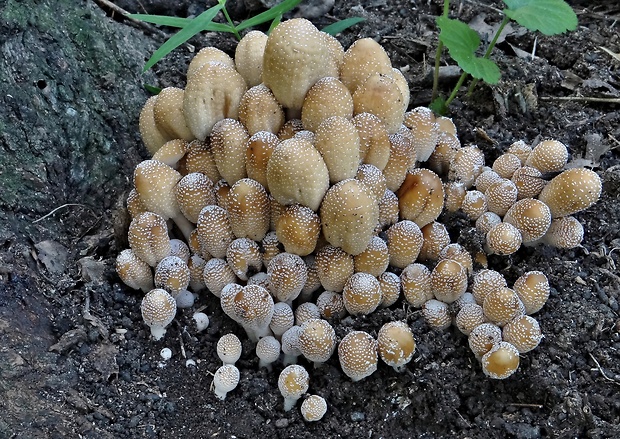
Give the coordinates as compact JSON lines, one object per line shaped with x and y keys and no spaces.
{"x":76,"y":359}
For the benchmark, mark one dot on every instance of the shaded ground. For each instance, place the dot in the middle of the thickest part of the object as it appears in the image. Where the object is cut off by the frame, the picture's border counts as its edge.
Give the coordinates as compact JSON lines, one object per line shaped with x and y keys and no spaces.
{"x":75,"y":358}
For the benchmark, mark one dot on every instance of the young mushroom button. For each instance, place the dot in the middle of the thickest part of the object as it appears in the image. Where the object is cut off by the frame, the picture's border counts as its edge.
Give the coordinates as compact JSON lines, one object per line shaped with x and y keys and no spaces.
{"x":293,"y":382}
{"x":158,"y":310}
{"x":357,"y":353}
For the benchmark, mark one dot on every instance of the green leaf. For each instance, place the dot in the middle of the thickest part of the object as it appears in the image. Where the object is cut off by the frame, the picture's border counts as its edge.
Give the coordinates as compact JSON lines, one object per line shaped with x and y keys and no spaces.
{"x":439,"y":106}
{"x":551,"y":17}
{"x":164,"y":20}
{"x":339,"y":26}
{"x":268,"y":15}
{"x":462,"y":43}
{"x":276,"y":21}
{"x":194,"y":27}
{"x":152,"y":89}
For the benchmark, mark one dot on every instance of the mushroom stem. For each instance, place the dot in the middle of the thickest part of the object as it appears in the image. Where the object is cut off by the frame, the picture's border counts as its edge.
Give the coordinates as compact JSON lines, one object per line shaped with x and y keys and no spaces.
{"x":184,"y":225}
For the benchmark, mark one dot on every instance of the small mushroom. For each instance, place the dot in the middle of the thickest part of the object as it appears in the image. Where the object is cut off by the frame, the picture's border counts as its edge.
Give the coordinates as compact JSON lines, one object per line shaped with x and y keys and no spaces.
{"x":169,"y":115}
{"x":326,"y":98}
{"x":362,"y":59}
{"x":228,"y":349}
{"x":339,"y":144}
{"x":421,"y":197}
{"x":564,"y":232}
{"x":134,"y":272}
{"x":572,"y":191}
{"x":249,"y":209}
{"x":374,"y":140}
{"x":317,"y":340}
{"x":225,"y":379}
{"x":287,"y":275}
{"x":396,"y":344}
{"x":501,"y":361}
{"x":548,"y":156}
{"x":148,"y":238}
{"x":415,"y":280}
{"x":260,"y":111}
{"x":404,"y":241}
{"x":533,"y":290}
{"x":523,"y":333}
{"x":361,"y":294}
{"x":293,"y":382}
{"x":313,"y":408}
{"x":424,"y":129}
{"x":249,"y":57}
{"x":267,"y":351}
{"x":358,"y":355}
{"x":158,"y":310}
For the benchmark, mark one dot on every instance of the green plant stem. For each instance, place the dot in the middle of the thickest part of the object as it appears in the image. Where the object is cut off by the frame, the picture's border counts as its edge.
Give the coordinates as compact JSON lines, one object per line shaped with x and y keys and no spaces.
{"x":487,"y":54}
{"x":446,"y":9}
{"x":455,"y":91}
{"x":230,"y":22}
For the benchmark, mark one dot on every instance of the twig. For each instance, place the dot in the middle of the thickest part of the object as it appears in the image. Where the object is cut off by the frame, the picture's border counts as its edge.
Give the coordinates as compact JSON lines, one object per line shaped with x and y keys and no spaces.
{"x":125,"y":14}
{"x":580,"y":99}
{"x":600,"y":369}
{"x":58,"y":208}
{"x":534,"y":406}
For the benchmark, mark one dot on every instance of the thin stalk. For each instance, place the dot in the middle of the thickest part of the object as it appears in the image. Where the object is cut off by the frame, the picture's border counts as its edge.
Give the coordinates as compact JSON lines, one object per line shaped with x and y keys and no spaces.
{"x":446,"y":9}
{"x":455,"y":91}
{"x":487,"y":54}
{"x":230,"y":22}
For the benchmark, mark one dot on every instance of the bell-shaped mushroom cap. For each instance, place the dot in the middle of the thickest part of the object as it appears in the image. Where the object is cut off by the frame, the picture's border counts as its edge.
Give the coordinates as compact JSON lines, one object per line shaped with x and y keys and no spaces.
{"x":349,"y":215}
{"x":253,"y":306}
{"x":448,"y":280}
{"x":501,"y":196}
{"x":467,"y":165}
{"x":529,"y":182}
{"x":503,"y":239}
{"x":564,"y":232}
{"x":436,"y":237}
{"x":402,"y":158}
{"x":486,"y":178}
{"x":415,"y":280}
{"x":373,"y":178}
{"x":229,"y":348}
{"x":548,"y":156}
{"x":374,"y":140}
{"x":339,"y":144}
{"x":298,"y":228}
{"x":172,"y":274}
{"x":260,"y":111}
{"x":267,"y":351}
{"x":169,"y":116}
{"x":328,"y":97}
{"x":295,"y":57}
{"x":437,"y":314}
{"x":502,"y":305}
{"x":572,"y":191}
{"x":133,"y":271}
{"x":533,"y":290}
{"x":249,"y":57}
{"x":244,"y":258}
{"x":506,"y":165}
{"x":214,"y":230}
{"x":152,"y":137}
{"x":483,"y":337}
{"x":331,"y":305}
{"x":293,"y":382}
{"x":374,"y":259}
{"x":205,"y":55}
{"x":396,"y":344}
{"x":199,"y":158}
{"x":213,"y":93}
{"x":229,"y":144}
{"x":458,"y":253}
{"x":424,"y":129}
{"x":361,"y":294}
{"x":249,"y":209}
{"x":225,"y":380}
{"x":287,"y":275}
{"x":380,"y":95}
{"x":362,"y":59}
{"x":313,"y":408}
{"x":501,"y":361}
{"x":421,"y":197}
{"x":334,"y":267}
{"x":404,"y":243}
{"x":390,"y":288}
{"x":486,"y":281}
{"x":216,"y":275}
{"x":296,"y":173}
{"x":531,"y":217}
{"x":443,"y":154}
{"x":172,"y":152}
{"x":468,"y":317}
{"x":260,"y":146}
{"x":317,"y":340}
{"x":521,"y":150}
{"x":358,"y":355}
{"x":282,"y":320}
{"x":158,"y":310}
{"x":523,"y":333}
{"x":148,"y":238}
{"x":194,"y":192}
{"x":388,"y":210}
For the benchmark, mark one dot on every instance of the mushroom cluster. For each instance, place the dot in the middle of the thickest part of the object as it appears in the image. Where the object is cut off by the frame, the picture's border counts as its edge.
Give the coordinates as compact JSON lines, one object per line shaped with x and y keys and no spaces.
{"x":304,"y":191}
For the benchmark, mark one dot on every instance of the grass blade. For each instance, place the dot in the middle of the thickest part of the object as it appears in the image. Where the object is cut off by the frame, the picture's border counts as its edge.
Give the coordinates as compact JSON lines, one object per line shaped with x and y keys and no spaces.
{"x":178,"y":22}
{"x":339,"y":26}
{"x":268,"y":15}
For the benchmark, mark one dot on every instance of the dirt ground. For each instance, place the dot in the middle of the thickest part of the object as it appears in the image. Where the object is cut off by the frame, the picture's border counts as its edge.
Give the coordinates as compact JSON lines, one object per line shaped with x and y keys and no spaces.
{"x":76,"y":359}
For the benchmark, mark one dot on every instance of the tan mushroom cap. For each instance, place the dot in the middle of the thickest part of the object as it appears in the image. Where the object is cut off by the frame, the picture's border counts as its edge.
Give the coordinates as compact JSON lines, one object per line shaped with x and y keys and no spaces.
{"x":532,"y":218}
{"x":271,"y":247}
{"x":287,"y":276}
{"x":501,"y":196}
{"x":290,"y":128}
{"x":298,"y":228}
{"x":225,"y":379}
{"x":458,"y":253}
{"x":572,"y":191}
{"x":564,"y":232}
{"x":267,"y":351}
{"x":260,"y":146}
{"x":375,"y":259}
{"x":424,"y":129}
{"x":214,"y":230}
{"x":339,"y":144}
{"x":533,"y":290}
{"x":446,"y":125}
{"x":260,"y":111}
{"x":454,"y":193}
{"x":172,"y":153}
{"x":396,"y":344}
{"x":361,"y":294}
{"x":349,"y":214}
{"x":506,"y":165}
{"x":501,"y":361}
{"x":415,"y":280}
{"x":388,"y":210}
{"x":501,"y":306}
{"x":158,"y":309}
{"x":486,"y":281}
{"x":196,"y":265}
{"x":249,"y":57}
{"x":486,"y":178}
{"x":380,"y":95}
{"x":390,"y":288}
{"x":295,"y":57}
{"x":133,"y":271}
{"x":155,"y":181}
{"x":483,"y":337}
{"x":326,"y":98}
{"x":474,"y":204}
{"x":548,"y":156}
{"x":305,"y":312}
{"x":205,"y":55}
{"x":469,"y":316}
{"x":313,"y":408}
{"x":213,"y":93}
{"x":443,"y":154}
{"x":373,"y":178}
{"x":229,"y":348}
{"x":148,"y":238}
{"x":402,"y":158}
{"x":193,"y":192}
{"x":317,"y":340}
{"x":172,"y":274}
{"x":229,"y":144}
{"x":331,"y":305}
{"x":227,"y":299}
{"x":152,"y":137}
{"x":217,"y":274}
{"x":282,"y":319}
{"x":504,"y":239}
{"x":521,"y":150}
{"x":448,"y":280}
{"x":374,"y":140}
{"x":362,"y":59}
{"x":523,"y":333}
{"x":466,"y":165}
{"x":249,"y":209}
{"x":134,"y":204}
{"x":169,"y":115}
{"x":253,"y":306}
{"x":421,"y":197}
{"x":404,"y":243}
{"x":296,"y":173}
{"x":487,"y":221}
{"x":199,"y":158}
{"x":293,"y":382}
{"x":244,"y":257}
{"x":358,"y":355}
{"x":437,"y":314}
{"x":529,"y":182}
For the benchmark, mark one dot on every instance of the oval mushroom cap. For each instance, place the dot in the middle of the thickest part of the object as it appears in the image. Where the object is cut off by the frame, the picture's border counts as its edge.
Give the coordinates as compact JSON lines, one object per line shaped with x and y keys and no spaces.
{"x":328,"y":97}
{"x":358,"y":355}
{"x":548,"y":156}
{"x":361,"y":294}
{"x":572,"y":191}
{"x":155,"y":182}
{"x":396,"y":344}
{"x":501,"y":361}
{"x":249,"y":57}
{"x":158,"y":310}
{"x":225,"y":380}
{"x":317,"y":340}
{"x":148,"y":238}
{"x":229,"y":348}
{"x":313,"y":408}
{"x":531,"y":217}
{"x":133,"y":271}
{"x":293,"y":382}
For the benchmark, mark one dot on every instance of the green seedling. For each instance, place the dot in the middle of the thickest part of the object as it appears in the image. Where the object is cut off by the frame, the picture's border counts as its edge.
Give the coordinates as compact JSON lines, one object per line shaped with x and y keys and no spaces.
{"x":204,"y":22}
{"x":550,"y":17}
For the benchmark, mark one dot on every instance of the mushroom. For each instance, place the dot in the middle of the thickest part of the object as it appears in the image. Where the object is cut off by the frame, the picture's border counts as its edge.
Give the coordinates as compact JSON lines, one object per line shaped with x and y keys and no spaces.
{"x":172,"y":274}
{"x":437,"y":314}
{"x":415,"y":280}
{"x":443,"y":154}
{"x":326,"y":98}
{"x":528,"y":181}
{"x":374,"y":140}
{"x":339,"y":144}
{"x":244,"y":258}
{"x":249,"y":209}
{"x":404,"y":240}
{"x":267,"y":351}
{"x":180,"y":249}
{"x":133,"y":271}
{"x":373,"y":178}
{"x":531,"y":217}
{"x":548,"y":156}
{"x":306,"y":311}
{"x":134,"y":204}
{"x":317,"y":340}
{"x":501,"y":306}
{"x":334,"y":267}
{"x":380,"y":95}
{"x":424,"y":129}
{"x":214,"y":230}
{"x":361,"y":294}
{"x":249,"y":57}
{"x":169,"y":115}
{"x":287,"y":275}
{"x":564,"y":232}
{"x":402,"y":158}
{"x":229,"y":145}
{"x":362,"y":59}
{"x":458,"y":253}
{"x":483,"y":337}
{"x":469,"y":316}
{"x":358,"y":355}
{"x":260,"y":111}
{"x":293,"y":382}
{"x":172,"y":153}
{"x":229,"y":348}
{"x":152,"y":137}
{"x":282,"y":319}
{"x":420,"y":198}
{"x":501,"y":196}
{"x":260,"y":146}
{"x":298,"y":228}
{"x":271,"y":247}
{"x":148,"y":238}
{"x":466,"y":165}
{"x":216,"y":275}
{"x":196,"y":265}
{"x":396,"y":344}
{"x":225,"y":379}
{"x":487,"y":221}
{"x":501,"y":361}
{"x":521,"y":150}
{"x":331,"y":305}
{"x":290,"y":345}
{"x":506,"y":165}
{"x":486,"y":178}
{"x":475,"y":205}
{"x":503,"y":239}
{"x":523,"y":333}
{"x":205,"y":55}
{"x":533,"y":290}
{"x":313,"y":408}
{"x":199,"y":158}
{"x":448,"y":280}
{"x":388,"y":210}
{"x":158,"y":310}
{"x":193,"y":192}
{"x":375,"y":259}
{"x":572,"y":191}
{"x":253,"y":306}
{"x":201,"y":320}
{"x":486,"y":281}
{"x":227,"y":300}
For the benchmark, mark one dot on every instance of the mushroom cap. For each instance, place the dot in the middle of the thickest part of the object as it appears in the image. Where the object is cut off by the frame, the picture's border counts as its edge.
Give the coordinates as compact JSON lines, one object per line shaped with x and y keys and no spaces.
{"x":373,"y":178}
{"x":362,"y":59}
{"x":331,"y":305}
{"x":349,"y":215}
{"x":487,"y":221}
{"x":396,"y":344}
{"x":229,"y":348}
{"x":375,"y":259}
{"x":282,"y":319}
{"x":326,"y":98}
{"x":213,"y":93}
{"x":501,"y":306}
{"x":521,"y":150}
{"x":486,"y":281}
{"x":486,"y":178}
{"x":205,"y":55}
{"x":193,"y":192}
{"x":158,"y":309}
{"x":483,"y":337}
{"x":548,"y":156}
{"x":152,"y":137}
{"x":298,"y":228}
{"x":390,"y":288}
{"x":443,"y":154}
{"x":225,"y":380}
{"x":172,"y":274}
{"x":361,"y":294}
{"x":501,"y":196}
{"x":172,"y":152}
{"x":529,"y":182}
{"x":260,"y":111}
{"x":199,"y":158}
{"x":249,"y":57}
{"x":501,"y":361}
{"x":506,"y":165}
{"x":504,"y":239}
{"x":469,"y":316}
{"x":306,"y":311}
{"x":293,"y":382}
{"x":260,"y":146}
{"x":216,"y":275}
{"x":358,"y":355}
{"x":317,"y":340}
{"x":533,"y":290}
{"x":227,"y":299}
{"x":421,"y":196}
{"x":148,"y":238}
{"x":180,"y":249}
{"x":271,"y":247}
{"x":290,"y":341}
{"x":134,"y":204}
{"x":425,"y":131}
{"x":404,"y":241}
{"x":532,"y":218}
{"x":253,"y":306}
{"x":448,"y":280}
{"x":437,"y":314}
{"x":290,"y":128}
{"x":466,"y":165}
{"x":155,"y":182}
{"x":402,"y":158}
{"x":169,"y":115}
{"x":214,"y":230}
{"x":267,"y":351}
{"x":133,"y":271}
{"x":436,"y":237}
{"x":296,"y":173}
{"x":229,"y":145}
{"x":313,"y":408}
{"x":338,"y":142}
{"x":415,"y":280}
{"x":388,"y":210}
{"x":287,"y":275}
{"x":571,"y":191}
{"x":295,"y":57}
{"x":244,"y":258}
{"x":523,"y":333}
{"x":564,"y":232}
{"x":380,"y":95}
{"x":474,"y":204}
{"x":457,"y":253}
{"x":249,"y":209}
{"x":374,"y":140}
